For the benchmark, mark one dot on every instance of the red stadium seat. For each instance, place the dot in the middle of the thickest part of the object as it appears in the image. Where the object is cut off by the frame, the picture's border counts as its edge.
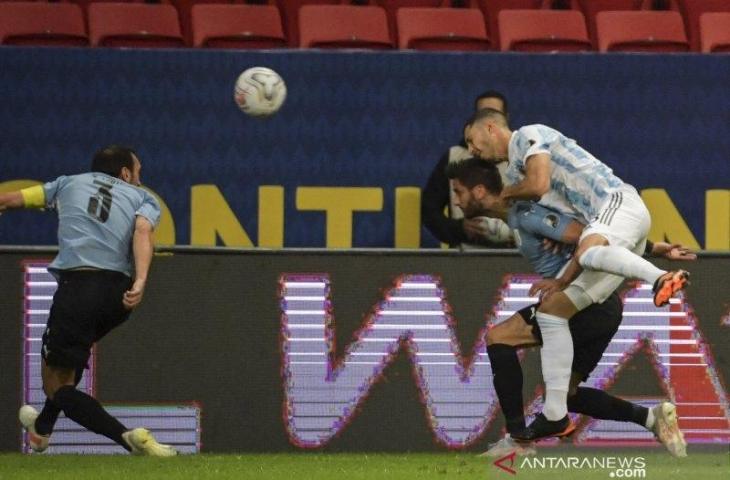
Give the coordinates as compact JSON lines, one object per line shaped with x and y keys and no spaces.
{"x":543,"y":31}
{"x":290,"y":16}
{"x":442,"y":29}
{"x":491,"y":9}
{"x":134,"y":25}
{"x":591,"y":8}
{"x":692,"y":10}
{"x":343,"y":26}
{"x":39,"y":23}
{"x":715,"y":32}
{"x":237,"y":26}
{"x":641,"y":31}
{"x":184,"y":11}
{"x":392,"y":6}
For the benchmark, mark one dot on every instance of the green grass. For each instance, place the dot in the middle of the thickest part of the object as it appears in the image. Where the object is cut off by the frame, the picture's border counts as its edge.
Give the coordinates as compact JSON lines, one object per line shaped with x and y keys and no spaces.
{"x":700,"y":465}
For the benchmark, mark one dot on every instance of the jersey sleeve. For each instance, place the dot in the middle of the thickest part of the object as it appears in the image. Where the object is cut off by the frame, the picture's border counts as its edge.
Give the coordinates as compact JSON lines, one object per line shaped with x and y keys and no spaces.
{"x":535,"y":141}
{"x":51,"y":190}
{"x":544,"y":222}
{"x":150,"y":209}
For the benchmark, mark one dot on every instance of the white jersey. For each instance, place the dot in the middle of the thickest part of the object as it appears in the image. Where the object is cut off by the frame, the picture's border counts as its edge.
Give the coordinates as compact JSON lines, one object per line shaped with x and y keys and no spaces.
{"x":579,"y":183}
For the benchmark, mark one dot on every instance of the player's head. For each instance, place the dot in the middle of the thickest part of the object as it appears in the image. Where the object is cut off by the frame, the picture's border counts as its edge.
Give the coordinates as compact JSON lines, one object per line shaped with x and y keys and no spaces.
{"x":488,"y":135}
{"x":477,"y":185}
{"x":491,"y":99}
{"x":118,"y":161}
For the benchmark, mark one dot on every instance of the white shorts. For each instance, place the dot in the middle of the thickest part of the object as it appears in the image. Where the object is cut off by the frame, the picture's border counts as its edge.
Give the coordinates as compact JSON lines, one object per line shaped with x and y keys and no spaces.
{"x":624,"y":221}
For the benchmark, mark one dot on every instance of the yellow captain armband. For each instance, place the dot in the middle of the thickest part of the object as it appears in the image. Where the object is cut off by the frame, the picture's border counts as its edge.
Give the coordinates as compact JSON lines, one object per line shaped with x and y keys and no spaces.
{"x":34,"y":197}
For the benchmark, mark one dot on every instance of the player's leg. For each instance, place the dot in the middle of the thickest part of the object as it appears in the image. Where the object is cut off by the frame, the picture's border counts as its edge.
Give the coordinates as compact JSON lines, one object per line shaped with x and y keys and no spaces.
{"x":58,"y":384}
{"x":503,"y":341}
{"x":661,"y":419}
{"x":593,"y":329}
{"x":614,"y":243}
{"x":556,"y":356}
{"x":557,"y":351}
{"x":48,"y":416}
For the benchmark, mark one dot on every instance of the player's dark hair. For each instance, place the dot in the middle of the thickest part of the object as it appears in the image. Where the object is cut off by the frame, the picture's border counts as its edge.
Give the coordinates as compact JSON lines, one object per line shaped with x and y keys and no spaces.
{"x":474,"y":171}
{"x":489,"y":113}
{"x":493,"y":94}
{"x":112,"y":159}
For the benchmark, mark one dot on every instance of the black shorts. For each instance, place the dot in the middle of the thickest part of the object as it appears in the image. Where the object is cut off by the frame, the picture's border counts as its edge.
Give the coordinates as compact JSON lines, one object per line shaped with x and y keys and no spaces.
{"x":86,"y":306}
{"x":592,"y":330}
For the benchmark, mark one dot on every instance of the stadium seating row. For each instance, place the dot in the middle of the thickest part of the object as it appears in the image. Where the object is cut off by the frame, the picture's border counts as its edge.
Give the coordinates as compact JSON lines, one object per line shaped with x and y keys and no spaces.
{"x":347,"y":26}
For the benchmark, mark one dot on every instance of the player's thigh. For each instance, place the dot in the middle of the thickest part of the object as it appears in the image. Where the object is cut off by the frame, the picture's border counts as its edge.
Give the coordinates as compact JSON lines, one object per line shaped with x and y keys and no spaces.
{"x":112,"y":312}
{"x":624,"y":221}
{"x":517,"y":330}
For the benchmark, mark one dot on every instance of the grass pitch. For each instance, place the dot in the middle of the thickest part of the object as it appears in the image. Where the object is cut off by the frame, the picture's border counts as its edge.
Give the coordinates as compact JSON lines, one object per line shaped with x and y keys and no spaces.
{"x":700,"y":465}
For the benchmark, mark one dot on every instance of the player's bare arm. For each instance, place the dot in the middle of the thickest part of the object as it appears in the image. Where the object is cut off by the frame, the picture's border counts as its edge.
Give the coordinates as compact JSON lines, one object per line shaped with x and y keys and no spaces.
{"x":143,"y":249}
{"x":672,"y":251}
{"x":536,"y":182}
{"x":11,"y":200}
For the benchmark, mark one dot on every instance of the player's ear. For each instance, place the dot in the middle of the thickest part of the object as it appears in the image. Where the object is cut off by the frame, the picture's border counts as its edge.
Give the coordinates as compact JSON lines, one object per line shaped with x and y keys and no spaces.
{"x":479,"y":191}
{"x":125,"y":174}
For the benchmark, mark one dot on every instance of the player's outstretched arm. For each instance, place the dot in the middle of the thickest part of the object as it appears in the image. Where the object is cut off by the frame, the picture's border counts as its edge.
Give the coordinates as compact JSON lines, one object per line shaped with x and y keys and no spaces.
{"x":672,"y":251}
{"x":11,"y":200}
{"x":143,"y":249}
{"x":536,"y":182}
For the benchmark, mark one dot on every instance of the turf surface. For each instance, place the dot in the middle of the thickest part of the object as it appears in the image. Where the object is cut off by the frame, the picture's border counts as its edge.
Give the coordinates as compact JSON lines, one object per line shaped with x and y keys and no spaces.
{"x":700,"y":465}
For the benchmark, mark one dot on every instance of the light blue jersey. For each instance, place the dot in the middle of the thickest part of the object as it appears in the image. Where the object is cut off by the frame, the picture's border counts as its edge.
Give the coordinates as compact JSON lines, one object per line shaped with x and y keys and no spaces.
{"x":579,"y":182}
{"x":96,"y":218}
{"x":531,"y":223}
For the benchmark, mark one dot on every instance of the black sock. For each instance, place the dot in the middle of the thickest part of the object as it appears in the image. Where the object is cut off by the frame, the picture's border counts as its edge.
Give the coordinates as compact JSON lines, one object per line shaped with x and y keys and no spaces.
{"x":599,"y":404}
{"x":88,"y":412}
{"x":49,"y":415}
{"x":508,"y":384}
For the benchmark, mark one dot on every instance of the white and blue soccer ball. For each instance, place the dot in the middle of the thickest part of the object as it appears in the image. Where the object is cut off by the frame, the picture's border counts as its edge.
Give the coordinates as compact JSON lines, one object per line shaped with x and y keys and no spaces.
{"x":496,"y":230}
{"x":259,"y":92}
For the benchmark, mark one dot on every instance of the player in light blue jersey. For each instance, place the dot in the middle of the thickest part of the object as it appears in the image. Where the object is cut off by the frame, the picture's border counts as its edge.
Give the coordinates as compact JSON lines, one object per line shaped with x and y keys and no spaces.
{"x":552,"y":169}
{"x":477,"y":185}
{"x":105,"y":225}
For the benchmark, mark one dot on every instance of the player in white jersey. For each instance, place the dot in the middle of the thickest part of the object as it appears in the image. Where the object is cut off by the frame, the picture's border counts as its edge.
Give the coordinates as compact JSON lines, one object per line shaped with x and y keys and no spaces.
{"x":554,"y":170}
{"x":105,"y":225}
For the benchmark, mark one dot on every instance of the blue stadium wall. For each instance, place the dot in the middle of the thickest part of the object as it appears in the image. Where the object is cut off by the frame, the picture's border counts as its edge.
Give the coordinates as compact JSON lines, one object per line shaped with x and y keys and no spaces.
{"x":374,"y":120}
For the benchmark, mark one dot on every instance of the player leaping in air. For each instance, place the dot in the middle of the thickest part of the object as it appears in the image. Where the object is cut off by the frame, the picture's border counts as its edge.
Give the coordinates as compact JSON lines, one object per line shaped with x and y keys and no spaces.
{"x":554,"y":170}
{"x":477,"y":186}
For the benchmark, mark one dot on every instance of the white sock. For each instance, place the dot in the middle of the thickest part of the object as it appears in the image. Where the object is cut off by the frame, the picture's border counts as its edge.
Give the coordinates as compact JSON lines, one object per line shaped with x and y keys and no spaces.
{"x":649,"y":420}
{"x":620,"y":261}
{"x":557,"y":359}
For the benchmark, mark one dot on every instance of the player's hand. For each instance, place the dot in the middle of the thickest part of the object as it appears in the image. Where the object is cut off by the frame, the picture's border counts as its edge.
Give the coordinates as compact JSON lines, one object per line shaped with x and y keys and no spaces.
{"x":133,"y":296}
{"x":546,"y":287}
{"x":673,"y":251}
{"x":475,"y":229}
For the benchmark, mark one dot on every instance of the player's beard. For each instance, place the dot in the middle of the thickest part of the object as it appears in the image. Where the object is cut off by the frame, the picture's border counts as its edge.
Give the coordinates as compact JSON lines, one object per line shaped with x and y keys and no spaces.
{"x":473,"y":209}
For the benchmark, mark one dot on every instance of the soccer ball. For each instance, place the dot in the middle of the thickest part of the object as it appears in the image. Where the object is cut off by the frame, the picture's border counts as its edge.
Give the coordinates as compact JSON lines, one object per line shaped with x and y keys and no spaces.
{"x":259,"y":92}
{"x":496,"y":230}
